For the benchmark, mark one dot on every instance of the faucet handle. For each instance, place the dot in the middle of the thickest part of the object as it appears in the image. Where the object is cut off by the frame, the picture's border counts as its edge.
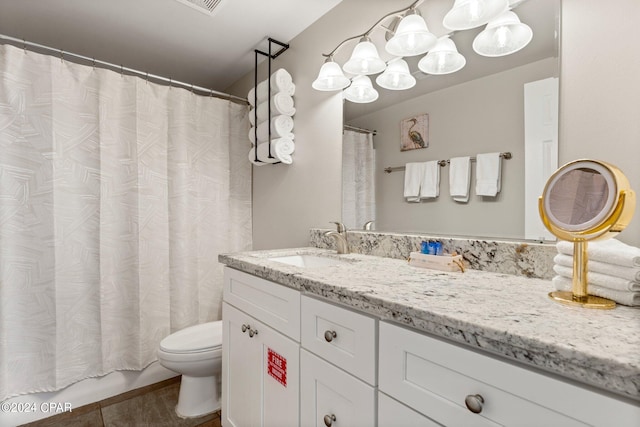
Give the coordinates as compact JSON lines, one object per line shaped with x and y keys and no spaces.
{"x":367,"y":225}
{"x":341,"y":227}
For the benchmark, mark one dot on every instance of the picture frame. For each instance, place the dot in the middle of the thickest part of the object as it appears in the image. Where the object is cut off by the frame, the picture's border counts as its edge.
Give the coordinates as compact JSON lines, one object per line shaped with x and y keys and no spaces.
{"x":414,"y":132}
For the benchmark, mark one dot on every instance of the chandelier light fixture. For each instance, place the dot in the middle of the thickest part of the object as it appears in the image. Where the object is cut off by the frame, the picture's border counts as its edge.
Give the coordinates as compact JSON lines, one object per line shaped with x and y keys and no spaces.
{"x":504,"y":34}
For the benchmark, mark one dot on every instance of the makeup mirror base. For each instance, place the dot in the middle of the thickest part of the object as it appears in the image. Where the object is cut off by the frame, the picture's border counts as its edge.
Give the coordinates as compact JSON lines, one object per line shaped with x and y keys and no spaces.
{"x":589,"y":301}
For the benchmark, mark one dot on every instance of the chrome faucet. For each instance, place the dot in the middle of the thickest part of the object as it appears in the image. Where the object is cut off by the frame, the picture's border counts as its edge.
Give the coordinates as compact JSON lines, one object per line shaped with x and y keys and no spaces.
{"x":367,"y":225}
{"x":342,"y":246}
{"x":340,"y":236}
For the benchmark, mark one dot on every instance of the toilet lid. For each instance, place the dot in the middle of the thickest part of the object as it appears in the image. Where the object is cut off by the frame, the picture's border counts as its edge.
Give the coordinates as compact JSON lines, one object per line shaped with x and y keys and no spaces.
{"x":194,"y":338}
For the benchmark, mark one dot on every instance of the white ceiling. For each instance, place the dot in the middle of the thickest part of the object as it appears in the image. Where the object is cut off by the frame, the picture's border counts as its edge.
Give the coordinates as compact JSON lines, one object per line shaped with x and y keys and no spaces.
{"x":163,"y":37}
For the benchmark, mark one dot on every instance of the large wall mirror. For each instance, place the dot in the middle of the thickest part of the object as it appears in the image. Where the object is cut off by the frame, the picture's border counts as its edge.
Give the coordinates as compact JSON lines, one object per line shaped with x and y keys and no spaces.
{"x":479,"y":109}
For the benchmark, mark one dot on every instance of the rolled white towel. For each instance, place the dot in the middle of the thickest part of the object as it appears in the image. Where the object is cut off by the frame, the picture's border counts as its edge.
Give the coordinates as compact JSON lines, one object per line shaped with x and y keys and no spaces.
{"x":602,"y":280}
{"x":263,"y":155}
{"x":281,"y":125}
{"x":611,"y":251}
{"x":281,"y":103}
{"x":628,"y":273}
{"x":282,"y":148}
{"x":562,"y":283}
{"x":252,"y":136}
{"x":281,"y":81}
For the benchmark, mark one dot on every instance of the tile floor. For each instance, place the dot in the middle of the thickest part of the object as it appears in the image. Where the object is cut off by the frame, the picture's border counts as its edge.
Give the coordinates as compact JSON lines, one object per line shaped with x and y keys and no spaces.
{"x":151,"y":406}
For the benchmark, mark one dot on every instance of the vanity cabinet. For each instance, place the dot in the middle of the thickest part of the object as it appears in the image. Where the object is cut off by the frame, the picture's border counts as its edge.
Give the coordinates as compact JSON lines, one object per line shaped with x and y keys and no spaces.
{"x":456,"y":386}
{"x":260,"y":363}
{"x":338,"y":368}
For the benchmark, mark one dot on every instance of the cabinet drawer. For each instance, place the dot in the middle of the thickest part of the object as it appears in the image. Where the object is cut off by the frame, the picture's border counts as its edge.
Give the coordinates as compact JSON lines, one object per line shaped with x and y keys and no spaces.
{"x":341,"y":336}
{"x":393,"y":413}
{"x":434,"y":378}
{"x":276,"y":305}
{"x":326,"y":391}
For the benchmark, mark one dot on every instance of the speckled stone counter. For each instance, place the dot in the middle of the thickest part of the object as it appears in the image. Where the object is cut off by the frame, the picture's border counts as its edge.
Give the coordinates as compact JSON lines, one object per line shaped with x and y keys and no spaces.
{"x":504,"y":314}
{"x":509,"y":257}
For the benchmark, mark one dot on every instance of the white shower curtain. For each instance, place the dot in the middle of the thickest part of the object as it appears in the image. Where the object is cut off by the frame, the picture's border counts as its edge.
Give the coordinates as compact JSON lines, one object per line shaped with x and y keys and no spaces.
{"x":116,"y":196}
{"x":358,"y":179}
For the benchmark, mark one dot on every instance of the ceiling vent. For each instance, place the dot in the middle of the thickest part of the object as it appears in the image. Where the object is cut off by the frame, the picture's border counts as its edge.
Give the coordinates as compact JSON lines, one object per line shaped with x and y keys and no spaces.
{"x":204,"y":6}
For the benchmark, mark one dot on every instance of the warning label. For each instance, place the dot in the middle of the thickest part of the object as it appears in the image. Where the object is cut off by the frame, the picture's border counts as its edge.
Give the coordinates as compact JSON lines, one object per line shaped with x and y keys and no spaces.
{"x":277,"y":367}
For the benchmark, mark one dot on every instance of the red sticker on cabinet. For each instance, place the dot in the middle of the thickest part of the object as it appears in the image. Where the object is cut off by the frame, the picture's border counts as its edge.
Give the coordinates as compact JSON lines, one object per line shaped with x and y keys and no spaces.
{"x":277,"y":367}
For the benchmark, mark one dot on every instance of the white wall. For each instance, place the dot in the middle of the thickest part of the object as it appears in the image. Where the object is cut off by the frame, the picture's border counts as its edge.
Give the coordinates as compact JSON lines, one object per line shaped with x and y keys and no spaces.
{"x":600,"y":89}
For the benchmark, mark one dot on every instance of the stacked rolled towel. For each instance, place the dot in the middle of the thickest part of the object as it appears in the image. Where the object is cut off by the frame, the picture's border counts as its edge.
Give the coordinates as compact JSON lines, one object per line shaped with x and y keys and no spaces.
{"x":281,"y":150}
{"x":613,"y":270}
{"x":282,"y":110}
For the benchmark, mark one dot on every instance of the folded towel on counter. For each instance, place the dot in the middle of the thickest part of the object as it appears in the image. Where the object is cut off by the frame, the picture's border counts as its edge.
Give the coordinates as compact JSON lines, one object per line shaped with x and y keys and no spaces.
{"x":281,"y":81}
{"x":488,"y":174}
{"x":611,"y":251}
{"x":600,"y":279}
{"x":562,"y":283}
{"x":413,"y":174}
{"x":460,"y":178}
{"x":430,"y":183}
{"x":627,"y":273}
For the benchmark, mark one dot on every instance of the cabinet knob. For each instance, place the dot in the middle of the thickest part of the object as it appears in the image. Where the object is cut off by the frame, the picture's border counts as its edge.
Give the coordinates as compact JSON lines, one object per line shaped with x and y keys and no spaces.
{"x":252,"y":332}
{"x":330,"y":335}
{"x":245,"y":328}
{"x":474,"y":403}
{"x":329,"y":419}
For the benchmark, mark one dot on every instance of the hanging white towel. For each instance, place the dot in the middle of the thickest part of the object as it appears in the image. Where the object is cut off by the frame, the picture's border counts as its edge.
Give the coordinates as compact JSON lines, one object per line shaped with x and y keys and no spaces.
{"x":413,"y":174}
{"x":488,"y":174}
{"x":430,"y":184}
{"x":460,"y":178}
{"x":611,"y":251}
{"x":562,"y":283}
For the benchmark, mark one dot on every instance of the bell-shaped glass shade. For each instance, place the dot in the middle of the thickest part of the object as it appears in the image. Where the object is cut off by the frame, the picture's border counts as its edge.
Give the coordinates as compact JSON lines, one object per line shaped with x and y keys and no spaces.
{"x":503,"y":35}
{"x":364,"y":59}
{"x":330,"y":78}
{"x":442,"y":59}
{"x":412,"y":37}
{"x":361,"y":91}
{"x":466,"y":14}
{"x":396,"y":76}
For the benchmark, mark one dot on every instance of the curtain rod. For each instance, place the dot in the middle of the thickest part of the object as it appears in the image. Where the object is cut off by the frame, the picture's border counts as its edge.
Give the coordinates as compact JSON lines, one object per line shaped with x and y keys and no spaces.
{"x":506,"y":155}
{"x":357,"y":129}
{"x":64,"y":54}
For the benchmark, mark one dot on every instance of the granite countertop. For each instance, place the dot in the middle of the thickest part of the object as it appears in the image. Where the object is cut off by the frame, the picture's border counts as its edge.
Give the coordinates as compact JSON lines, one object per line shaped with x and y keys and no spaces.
{"x":500,"y":313}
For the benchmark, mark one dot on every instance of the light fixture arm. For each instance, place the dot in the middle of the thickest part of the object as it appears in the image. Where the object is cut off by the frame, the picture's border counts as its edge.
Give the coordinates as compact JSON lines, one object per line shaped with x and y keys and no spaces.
{"x":415,"y":4}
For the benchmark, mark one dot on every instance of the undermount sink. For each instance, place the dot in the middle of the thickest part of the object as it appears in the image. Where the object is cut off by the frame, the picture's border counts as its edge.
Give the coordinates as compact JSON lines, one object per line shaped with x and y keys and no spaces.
{"x":307,"y":260}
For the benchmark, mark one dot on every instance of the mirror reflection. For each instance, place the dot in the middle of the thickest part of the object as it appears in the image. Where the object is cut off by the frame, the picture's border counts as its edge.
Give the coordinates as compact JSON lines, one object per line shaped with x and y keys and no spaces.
{"x":578,"y":196}
{"x":479,"y":109}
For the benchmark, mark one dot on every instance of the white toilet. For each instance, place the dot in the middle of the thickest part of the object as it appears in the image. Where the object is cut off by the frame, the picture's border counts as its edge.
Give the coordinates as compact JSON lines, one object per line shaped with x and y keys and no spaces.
{"x":196,"y":353}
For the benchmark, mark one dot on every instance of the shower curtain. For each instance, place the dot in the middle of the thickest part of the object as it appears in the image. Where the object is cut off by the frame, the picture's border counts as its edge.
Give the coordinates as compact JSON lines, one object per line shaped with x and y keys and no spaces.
{"x":358,"y":179}
{"x":116,"y":196}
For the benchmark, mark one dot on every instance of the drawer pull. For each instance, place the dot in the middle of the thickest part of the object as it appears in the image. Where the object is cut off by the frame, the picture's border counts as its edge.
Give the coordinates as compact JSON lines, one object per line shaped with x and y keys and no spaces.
{"x":252,"y":332}
{"x":474,"y":403}
{"x":330,"y":335}
{"x":245,"y":328}
{"x":329,"y":419}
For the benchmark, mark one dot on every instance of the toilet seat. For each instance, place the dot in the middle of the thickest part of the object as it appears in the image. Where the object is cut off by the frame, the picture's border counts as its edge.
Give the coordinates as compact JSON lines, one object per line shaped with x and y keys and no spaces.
{"x":200,"y":338}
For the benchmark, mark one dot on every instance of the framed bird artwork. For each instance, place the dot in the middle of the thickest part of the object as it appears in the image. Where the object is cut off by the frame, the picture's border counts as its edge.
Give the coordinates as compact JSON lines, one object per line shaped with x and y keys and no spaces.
{"x":414,"y":132}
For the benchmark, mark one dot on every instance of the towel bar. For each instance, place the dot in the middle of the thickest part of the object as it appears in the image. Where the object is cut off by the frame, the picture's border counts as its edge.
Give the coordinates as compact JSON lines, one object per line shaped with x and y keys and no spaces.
{"x":506,"y":155}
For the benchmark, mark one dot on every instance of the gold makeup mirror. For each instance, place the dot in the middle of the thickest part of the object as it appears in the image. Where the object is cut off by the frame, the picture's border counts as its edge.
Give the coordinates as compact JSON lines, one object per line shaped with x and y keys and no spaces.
{"x":585,"y":200}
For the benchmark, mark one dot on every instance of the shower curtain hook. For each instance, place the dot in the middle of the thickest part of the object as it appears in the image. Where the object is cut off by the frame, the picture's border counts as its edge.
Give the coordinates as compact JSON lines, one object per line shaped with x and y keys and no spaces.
{"x":24,"y":45}
{"x":94,"y":63}
{"x":61,"y":56}
{"x":147,"y":77}
{"x":121,"y":70}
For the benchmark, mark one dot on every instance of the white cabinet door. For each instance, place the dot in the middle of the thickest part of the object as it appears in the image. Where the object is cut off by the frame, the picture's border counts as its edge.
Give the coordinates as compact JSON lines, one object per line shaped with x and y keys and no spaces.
{"x":331,"y":397}
{"x":392,"y":413}
{"x":241,"y":370}
{"x":260,"y":384}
